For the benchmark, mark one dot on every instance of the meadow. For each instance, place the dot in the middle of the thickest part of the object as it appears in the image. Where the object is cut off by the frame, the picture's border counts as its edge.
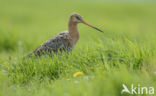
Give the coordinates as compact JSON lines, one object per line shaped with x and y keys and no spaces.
{"x":124,"y":54}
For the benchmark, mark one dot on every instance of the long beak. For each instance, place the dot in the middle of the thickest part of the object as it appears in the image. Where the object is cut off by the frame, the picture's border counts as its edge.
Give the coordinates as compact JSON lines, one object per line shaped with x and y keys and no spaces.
{"x":91,"y":26}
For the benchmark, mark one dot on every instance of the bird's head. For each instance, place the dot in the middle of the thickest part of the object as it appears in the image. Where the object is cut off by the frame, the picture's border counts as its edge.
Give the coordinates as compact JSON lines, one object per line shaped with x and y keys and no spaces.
{"x":76,"y":18}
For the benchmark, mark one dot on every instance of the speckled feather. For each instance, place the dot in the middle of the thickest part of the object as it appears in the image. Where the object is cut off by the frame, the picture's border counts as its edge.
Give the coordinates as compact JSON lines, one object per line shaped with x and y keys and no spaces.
{"x":60,"y":42}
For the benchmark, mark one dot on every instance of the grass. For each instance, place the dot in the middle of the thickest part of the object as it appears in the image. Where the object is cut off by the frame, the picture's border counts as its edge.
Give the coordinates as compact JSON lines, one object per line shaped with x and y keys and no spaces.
{"x":124,"y":54}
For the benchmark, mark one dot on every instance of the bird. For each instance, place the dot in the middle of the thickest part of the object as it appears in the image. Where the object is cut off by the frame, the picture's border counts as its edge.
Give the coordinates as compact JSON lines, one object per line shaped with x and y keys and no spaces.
{"x":64,"y":41}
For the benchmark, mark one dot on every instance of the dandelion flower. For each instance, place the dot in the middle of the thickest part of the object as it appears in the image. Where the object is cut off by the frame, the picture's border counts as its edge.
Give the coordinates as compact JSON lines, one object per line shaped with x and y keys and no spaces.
{"x":77,"y":74}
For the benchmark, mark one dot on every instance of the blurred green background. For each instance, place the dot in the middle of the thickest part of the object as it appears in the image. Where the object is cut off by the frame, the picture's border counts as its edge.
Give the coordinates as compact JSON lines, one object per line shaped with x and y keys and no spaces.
{"x":124,"y":53}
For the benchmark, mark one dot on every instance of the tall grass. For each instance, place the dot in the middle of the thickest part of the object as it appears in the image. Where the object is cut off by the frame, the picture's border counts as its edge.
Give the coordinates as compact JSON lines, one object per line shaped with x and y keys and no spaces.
{"x":124,"y":54}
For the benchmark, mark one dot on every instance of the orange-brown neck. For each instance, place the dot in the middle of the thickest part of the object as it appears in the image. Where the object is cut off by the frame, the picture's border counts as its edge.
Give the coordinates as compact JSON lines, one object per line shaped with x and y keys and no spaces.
{"x":73,"y":31}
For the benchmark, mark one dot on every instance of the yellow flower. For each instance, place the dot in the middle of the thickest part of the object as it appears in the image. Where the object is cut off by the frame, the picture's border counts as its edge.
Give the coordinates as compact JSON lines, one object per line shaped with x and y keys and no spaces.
{"x":78,"y":74}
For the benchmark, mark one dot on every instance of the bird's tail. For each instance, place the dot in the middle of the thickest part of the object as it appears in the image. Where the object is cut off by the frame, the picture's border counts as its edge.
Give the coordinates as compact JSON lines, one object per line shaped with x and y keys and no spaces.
{"x":28,"y":55}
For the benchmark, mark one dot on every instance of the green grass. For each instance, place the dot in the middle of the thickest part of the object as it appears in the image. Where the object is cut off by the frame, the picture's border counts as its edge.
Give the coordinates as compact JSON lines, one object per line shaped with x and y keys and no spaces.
{"x":124,"y":54}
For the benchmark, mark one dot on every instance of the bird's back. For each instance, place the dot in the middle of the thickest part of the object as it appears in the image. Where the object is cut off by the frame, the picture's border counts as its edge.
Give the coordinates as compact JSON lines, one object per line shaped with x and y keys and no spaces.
{"x":61,"y":42}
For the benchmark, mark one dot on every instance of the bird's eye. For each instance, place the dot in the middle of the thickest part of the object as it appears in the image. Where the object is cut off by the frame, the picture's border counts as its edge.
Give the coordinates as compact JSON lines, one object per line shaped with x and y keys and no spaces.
{"x":78,"y":18}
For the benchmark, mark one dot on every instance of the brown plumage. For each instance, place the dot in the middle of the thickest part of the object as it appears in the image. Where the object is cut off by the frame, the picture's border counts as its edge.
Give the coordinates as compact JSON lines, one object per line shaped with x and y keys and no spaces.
{"x":64,"y":41}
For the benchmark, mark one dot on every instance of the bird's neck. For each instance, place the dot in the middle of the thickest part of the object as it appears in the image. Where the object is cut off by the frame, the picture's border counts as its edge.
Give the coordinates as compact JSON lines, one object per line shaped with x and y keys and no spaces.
{"x":73,"y":30}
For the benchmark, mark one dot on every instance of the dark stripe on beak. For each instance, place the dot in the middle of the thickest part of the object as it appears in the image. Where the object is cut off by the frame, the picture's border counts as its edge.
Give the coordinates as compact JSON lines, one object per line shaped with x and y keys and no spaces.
{"x":91,"y":26}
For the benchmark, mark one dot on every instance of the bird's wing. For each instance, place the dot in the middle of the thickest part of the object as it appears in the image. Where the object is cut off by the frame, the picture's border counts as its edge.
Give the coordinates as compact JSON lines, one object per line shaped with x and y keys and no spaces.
{"x":60,"y":41}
